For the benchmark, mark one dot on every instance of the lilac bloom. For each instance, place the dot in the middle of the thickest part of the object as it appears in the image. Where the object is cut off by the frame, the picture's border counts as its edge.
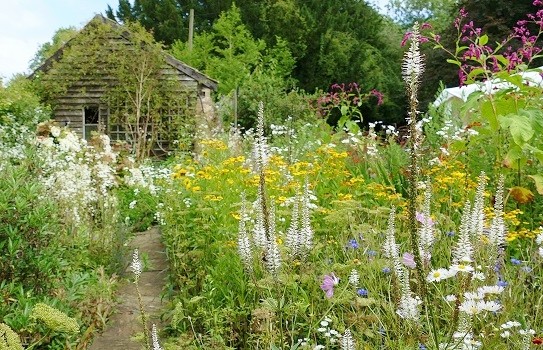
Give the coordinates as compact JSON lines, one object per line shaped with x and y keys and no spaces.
{"x":424,"y":220}
{"x":328,"y":284}
{"x":408,"y":260}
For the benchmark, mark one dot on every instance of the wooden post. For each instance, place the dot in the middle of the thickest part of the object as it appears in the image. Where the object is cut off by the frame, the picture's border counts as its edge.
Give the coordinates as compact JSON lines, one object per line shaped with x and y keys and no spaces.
{"x":191,"y":28}
{"x":235,"y":103}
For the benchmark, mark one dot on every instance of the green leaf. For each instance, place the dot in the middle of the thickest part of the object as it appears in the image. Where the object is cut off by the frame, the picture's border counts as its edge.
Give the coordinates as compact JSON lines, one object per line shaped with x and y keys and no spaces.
{"x":511,"y":158}
{"x":521,"y":129}
{"x":454,"y":62}
{"x":473,"y":74}
{"x":538,"y":179}
{"x":487,"y":112}
{"x":483,"y":40}
{"x":344,"y":110}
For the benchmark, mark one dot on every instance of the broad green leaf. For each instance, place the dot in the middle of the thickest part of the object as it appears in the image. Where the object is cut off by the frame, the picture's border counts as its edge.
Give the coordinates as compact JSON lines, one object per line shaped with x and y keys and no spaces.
{"x":536,"y":116}
{"x":538,"y":179}
{"x":483,"y":40}
{"x":344,"y":110}
{"x":511,"y":158}
{"x":520,"y":127}
{"x":488,"y":114}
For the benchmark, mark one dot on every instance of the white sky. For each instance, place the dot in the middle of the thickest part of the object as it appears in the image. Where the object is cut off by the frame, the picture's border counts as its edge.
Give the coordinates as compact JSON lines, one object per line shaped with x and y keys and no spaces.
{"x":26,"y":24}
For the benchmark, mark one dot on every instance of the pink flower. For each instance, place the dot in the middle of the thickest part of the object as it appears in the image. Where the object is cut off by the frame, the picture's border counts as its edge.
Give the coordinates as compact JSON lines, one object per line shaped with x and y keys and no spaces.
{"x":408,"y":260}
{"x":424,"y":220}
{"x":328,"y":284}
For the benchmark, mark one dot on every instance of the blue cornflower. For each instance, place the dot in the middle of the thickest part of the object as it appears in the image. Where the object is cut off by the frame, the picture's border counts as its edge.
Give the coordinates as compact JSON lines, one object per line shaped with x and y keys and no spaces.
{"x":353,"y":244}
{"x":422,"y":347}
{"x":362,"y":292}
{"x":386,"y":270}
{"x":371,"y":253}
{"x":450,"y":233}
{"x":502,"y":283}
{"x":515,"y":261}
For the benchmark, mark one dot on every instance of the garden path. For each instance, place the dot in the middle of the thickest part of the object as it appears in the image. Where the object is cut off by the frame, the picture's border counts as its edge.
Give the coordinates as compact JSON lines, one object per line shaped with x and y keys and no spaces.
{"x":126,"y":323}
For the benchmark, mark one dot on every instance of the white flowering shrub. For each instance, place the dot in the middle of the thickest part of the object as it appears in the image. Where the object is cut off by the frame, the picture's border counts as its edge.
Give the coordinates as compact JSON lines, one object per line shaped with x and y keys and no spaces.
{"x":79,"y":175}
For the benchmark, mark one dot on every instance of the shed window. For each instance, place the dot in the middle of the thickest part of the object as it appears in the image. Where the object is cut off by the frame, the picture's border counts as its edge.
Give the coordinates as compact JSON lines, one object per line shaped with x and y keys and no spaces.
{"x":91,"y":120}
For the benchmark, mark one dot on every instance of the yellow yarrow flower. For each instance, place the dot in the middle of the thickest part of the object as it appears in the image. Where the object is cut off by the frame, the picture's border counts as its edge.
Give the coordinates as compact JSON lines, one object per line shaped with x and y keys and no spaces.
{"x":9,"y":340}
{"x":55,"y":319}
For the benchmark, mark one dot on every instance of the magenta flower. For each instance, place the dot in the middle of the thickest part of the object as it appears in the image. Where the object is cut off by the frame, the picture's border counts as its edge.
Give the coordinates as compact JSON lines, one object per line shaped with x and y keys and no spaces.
{"x":408,"y":260}
{"x":328,"y":284}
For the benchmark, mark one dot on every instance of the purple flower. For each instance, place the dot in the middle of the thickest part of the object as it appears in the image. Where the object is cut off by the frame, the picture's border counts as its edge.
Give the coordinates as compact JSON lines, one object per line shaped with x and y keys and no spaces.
{"x":362,"y":292}
{"x":353,"y":244}
{"x":328,"y":283}
{"x":379,"y":96}
{"x":515,"y":261}
{"x":408,"y":260}
{"x":502,"y":283}
{"x":386,"y":270}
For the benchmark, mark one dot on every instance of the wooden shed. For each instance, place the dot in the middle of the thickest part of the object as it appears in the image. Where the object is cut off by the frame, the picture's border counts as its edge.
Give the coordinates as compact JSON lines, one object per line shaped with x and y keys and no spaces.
{"x":84,"y":103}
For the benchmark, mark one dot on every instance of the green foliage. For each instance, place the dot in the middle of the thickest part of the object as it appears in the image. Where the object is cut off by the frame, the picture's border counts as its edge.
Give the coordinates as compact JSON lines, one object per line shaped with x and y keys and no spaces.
{"x":152,"y":107}
{"x":29,"y":252}
{"x":158,"y":16}
{"x":60,"y":38}
{"x":438,"y":12}
{"x":229,"y":53}
{"x":20,"y":104}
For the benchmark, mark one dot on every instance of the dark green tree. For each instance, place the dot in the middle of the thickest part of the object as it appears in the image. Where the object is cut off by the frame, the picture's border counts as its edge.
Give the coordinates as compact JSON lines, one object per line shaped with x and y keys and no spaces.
{"x":229,"y":53}
{"x":161,"y":17}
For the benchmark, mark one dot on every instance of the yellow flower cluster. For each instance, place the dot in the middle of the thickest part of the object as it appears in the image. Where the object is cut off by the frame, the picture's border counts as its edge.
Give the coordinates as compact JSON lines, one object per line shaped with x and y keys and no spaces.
{"x":380,"y":191}
{"x":522,"y":233}
{"x":214,"y":144}
{"x":353,"y":181}
{"x":301,"y":168}
{"x":344,"y":197}
{"x":9,"y":340}
{"x":55,"y":319}
{"x":233,"y":161}
{"x":213,"y":198}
